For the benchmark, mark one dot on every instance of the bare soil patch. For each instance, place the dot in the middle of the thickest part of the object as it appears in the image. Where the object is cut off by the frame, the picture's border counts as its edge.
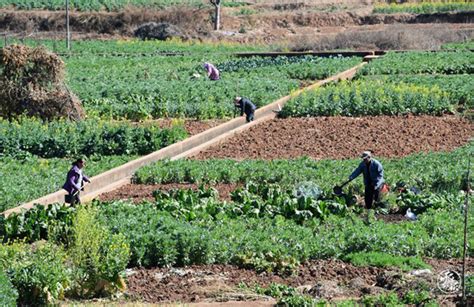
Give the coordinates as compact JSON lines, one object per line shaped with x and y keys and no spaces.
{"x":138,"y":193}
{"x":344,"y":137}
{"x":220,"y":282}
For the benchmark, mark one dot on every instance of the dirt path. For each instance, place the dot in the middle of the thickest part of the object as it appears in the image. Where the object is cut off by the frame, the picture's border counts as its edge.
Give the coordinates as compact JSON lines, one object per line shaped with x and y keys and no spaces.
{"x":344,"y":137}
{"x":331,"y":279}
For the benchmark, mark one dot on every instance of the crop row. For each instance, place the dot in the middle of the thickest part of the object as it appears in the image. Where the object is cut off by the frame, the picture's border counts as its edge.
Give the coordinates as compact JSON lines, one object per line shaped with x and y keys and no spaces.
{"x":59,"y":139}
{"x":459,"y":87}
{"x":428,"y":171}
{"x":265,"y":244}
{"x":32,"y":177}
{"x":425,"y":8}
{"x":458,"y":62}
{"x":360,"y":98}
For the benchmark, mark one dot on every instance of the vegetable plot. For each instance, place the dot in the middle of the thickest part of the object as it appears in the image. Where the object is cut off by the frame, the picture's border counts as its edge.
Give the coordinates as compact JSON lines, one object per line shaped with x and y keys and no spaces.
{"x":450,"y":63}
{"x":374,"y":97}
{"x":140,"y":88}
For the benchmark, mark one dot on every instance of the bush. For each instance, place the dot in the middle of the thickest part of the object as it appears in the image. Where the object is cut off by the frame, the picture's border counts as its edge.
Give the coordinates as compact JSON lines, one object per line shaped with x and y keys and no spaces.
{"x":98,"y":255}
{"x":8,"y":294}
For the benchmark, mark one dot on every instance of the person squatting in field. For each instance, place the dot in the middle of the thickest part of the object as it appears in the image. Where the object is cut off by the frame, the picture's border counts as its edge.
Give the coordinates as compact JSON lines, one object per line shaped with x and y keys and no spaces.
{"x":246,"y":106}
{"x":373,"y":178}
{"x":75,"y":182}
{"x":212,"y":71}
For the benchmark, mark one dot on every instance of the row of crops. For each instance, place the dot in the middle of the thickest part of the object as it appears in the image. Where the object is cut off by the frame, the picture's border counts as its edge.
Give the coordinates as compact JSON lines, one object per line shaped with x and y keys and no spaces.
{"x":268,"y":226}
{"x":399,"y":83}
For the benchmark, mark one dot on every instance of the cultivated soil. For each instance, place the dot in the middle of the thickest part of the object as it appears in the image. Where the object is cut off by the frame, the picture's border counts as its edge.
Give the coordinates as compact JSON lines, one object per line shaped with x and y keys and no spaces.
{"x":329,"y":279}
{"x":344,"y":137}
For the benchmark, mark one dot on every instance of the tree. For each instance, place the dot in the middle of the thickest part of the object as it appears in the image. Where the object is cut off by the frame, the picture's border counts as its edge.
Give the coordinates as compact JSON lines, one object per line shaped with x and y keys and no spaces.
{"x":217,"y":14}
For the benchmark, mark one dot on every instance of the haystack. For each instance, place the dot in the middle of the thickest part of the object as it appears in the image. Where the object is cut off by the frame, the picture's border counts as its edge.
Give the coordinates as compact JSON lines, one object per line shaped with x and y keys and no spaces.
{"x":32,"y":83}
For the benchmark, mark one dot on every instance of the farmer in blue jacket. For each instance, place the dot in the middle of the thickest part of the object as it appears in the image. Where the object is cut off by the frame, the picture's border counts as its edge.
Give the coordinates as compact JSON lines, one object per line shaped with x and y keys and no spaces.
{"x":373,"y":178}
{"x":246,"y":106}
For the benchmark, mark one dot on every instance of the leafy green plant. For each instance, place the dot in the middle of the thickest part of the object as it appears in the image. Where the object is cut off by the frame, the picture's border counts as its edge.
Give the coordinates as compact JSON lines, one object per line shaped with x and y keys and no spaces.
{"x":287,"y":296}
{"x":387,"y":299}
{"x":385,"y":260}
{"x":38,"y":272}
{"x":418,"y":298}
{"x":8,"y":294}
{"x":52,"y":223}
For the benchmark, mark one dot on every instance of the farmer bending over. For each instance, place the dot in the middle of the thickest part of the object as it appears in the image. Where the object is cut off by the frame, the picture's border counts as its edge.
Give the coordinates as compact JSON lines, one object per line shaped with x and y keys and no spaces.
{"x":212,"y":71}
{"x":246,"y":106}
{"x":75,"y":182}
{"x":373,"y":178}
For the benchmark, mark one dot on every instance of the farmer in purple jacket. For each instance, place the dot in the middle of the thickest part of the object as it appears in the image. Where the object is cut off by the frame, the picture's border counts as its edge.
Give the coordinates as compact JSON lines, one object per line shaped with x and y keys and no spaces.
{"x":212,"y":71}
{"x":75,"y":182}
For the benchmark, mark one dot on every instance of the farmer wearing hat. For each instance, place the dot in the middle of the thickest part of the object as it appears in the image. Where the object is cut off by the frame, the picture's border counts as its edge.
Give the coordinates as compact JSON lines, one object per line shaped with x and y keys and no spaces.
{"x":75,"y":182}
{"x":373,"y":178}
{"x":212,"y":71}
{"x":246,"y":106}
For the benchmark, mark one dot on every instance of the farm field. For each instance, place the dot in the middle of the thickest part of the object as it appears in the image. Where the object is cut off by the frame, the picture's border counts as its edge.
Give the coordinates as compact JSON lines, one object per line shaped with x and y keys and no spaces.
{"x":254,"y":218}
{"x":116,"y":89}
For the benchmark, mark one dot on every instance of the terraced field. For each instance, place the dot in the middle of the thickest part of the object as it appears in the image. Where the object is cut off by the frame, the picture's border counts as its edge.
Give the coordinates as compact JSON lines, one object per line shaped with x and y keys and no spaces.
{"x":254,"y":218}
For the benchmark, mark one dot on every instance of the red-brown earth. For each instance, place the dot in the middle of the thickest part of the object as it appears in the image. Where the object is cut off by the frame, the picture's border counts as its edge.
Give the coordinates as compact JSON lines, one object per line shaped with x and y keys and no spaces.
{"x":344,"y":137}
{"x":332,"y":279}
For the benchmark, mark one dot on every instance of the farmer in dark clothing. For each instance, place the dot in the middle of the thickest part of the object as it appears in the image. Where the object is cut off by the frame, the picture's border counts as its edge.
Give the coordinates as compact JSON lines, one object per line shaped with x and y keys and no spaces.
{"x":75,"y":182}
{"x":373,"y":178}
{"x":246,"y":106}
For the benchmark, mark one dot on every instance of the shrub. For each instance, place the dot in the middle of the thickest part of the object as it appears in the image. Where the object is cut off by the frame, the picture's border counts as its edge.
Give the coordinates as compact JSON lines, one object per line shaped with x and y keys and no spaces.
{"x":98,"y":255}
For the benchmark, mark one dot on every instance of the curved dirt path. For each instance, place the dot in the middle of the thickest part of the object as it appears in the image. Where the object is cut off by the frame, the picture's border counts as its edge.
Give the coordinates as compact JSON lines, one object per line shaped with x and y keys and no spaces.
{"x":344,"y":137}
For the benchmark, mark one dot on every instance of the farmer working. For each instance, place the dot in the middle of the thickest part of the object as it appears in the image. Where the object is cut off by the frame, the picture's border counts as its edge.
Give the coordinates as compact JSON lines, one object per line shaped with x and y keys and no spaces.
{"x":246,"y":106}
{"x":212,"y":71}
{"x":373,"y":178}
{"x":75,"y":182}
